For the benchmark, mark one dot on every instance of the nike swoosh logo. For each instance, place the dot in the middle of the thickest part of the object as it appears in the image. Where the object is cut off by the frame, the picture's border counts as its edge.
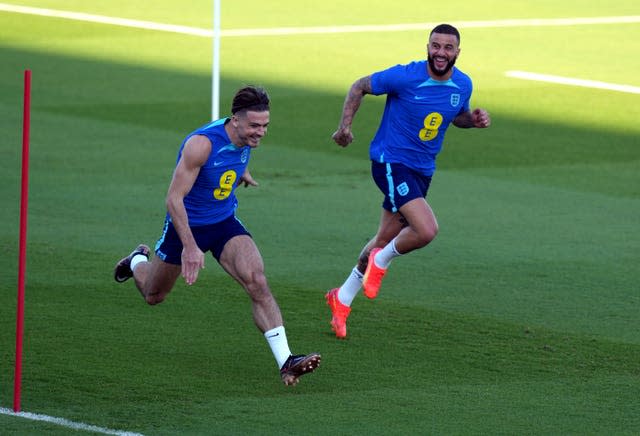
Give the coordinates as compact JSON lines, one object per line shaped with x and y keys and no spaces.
{"x":417,"y":97}
{"x":217,"y":164}
{"x":273,"y":336}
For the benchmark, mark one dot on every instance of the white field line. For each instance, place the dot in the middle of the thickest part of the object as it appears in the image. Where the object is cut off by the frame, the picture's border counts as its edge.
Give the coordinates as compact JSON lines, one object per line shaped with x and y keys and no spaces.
{"x":79,"y":16}
{"x":66,"y":423}
{"x":195,"y":31}
{"x":572,"y":81}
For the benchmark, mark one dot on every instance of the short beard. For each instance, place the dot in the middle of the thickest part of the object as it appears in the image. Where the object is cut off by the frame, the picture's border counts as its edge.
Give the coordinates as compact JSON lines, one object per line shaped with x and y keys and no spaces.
{"x":450,"y":65}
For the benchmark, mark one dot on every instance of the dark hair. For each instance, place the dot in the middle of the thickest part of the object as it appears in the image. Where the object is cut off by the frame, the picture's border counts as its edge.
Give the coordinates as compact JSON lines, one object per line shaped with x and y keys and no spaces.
{"x":447,"y":29}
{"x":250,"y":98}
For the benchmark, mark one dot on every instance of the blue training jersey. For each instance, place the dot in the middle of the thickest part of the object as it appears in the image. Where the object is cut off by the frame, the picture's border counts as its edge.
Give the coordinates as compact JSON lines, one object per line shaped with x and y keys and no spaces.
{"x":416,"y":115}
{"x":212,"y":197}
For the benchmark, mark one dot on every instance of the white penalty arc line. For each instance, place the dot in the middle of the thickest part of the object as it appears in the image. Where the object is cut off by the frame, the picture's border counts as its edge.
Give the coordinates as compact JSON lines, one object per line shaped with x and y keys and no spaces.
{"x":281,"y":31}
{"x":66,"y":423}
{"x":572,"y":81}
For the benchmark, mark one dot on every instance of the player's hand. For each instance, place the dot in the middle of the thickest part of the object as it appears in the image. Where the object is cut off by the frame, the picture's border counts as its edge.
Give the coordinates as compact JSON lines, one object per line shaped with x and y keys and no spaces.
{"x":192,"y":263}
{"x":343,"y":136}
{"x":247,"y":180}
{"x":480,"y":118}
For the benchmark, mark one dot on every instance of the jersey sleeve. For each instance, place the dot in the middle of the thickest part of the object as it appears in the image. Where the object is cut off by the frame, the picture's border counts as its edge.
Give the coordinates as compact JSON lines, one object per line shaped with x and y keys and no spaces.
{"x":466,"y":105}
{"x":387,"y":81}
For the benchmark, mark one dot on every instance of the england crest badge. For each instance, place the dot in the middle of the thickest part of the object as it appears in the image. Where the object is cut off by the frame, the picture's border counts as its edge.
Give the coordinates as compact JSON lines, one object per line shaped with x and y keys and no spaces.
{"x":455,"y":100}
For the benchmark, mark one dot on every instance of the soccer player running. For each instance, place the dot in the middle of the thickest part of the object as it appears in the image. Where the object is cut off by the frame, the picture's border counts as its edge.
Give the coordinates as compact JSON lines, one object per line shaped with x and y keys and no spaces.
{"x":423,"y":98}
{"x":201,"y":204}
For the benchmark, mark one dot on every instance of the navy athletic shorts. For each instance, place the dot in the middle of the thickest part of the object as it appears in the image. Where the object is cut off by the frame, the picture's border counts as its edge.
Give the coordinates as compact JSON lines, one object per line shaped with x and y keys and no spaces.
{"x":210,"y":237}
{"x":399,"y":184}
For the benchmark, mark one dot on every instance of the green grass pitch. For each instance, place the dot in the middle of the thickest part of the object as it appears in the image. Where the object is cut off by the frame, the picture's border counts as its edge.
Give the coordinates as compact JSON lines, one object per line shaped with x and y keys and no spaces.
{"x":521,"y":318}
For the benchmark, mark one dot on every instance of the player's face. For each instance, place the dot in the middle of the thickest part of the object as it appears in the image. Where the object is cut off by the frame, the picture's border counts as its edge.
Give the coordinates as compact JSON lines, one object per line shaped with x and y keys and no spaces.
{"x":251,"y":126}
{"x":442,"y":53}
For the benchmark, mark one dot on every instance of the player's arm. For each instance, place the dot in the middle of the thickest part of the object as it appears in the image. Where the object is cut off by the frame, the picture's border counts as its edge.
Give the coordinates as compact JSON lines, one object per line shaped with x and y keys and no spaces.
{"x":478,"y":118}
{"x":247,"y":179}
{"x":195,"y":153}
{"x":358,"y":90}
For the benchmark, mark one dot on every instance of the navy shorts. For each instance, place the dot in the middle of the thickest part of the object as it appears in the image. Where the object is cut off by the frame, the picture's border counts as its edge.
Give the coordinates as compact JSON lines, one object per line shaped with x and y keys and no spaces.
{"x":210,"y":237}
{"x":399,"y":184}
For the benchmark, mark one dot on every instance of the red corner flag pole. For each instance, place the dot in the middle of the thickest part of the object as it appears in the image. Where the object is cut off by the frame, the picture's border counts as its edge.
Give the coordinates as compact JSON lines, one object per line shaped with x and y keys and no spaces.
{"x":22,"y":256}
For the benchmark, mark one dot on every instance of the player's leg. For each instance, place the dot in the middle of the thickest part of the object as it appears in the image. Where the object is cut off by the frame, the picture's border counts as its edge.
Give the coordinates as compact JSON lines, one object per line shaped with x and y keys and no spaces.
{"x":405,"y":191}
{"x":390,"y":226}
{"x":241,"y":259}
{"x":340,"y":299}
{"x":422,"y":226}
{"x":155,"y":279}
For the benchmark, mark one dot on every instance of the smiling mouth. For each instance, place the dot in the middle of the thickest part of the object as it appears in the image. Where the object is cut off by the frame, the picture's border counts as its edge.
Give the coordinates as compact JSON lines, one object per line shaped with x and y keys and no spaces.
{"x":440,"y":61}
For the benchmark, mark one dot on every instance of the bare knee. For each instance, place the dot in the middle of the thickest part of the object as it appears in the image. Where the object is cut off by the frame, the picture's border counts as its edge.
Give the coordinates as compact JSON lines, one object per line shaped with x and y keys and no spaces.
{"x":426,"y":235}
{"x":153,"y":299}
{"x":258,"y":288}
{"x":153,"y":296}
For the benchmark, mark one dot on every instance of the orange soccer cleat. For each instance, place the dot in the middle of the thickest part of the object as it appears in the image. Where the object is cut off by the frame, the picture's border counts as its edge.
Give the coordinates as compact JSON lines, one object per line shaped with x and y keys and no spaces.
{"x":340,"y":313}
{"x":373,"y":276}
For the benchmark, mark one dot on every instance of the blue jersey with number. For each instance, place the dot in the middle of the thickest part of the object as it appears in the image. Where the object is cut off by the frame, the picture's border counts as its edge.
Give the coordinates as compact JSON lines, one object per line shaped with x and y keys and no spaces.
{"x":212,"y":197}
{"x":416,"y":115}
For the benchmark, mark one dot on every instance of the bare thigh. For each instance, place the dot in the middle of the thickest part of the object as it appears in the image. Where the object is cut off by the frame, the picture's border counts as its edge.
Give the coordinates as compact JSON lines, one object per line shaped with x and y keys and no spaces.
{"x":420,"y":218}
{"x":422,"y":229}
{"x":242,"y":260}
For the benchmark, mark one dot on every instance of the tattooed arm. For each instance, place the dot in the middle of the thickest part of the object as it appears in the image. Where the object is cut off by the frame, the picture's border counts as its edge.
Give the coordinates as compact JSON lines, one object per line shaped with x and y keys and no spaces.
{"x":360,"y":87}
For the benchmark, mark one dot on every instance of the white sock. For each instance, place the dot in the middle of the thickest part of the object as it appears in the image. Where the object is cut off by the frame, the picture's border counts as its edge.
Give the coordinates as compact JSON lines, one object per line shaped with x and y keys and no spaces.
{"x":350,"y":287}
{"x":137,"y":259}
{"x":277,"y":340}
{"x":384,"y":256}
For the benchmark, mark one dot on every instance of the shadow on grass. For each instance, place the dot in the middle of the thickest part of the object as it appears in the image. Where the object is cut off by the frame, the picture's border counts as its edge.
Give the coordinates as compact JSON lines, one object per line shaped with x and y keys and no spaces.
{"x":302,"y":118}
